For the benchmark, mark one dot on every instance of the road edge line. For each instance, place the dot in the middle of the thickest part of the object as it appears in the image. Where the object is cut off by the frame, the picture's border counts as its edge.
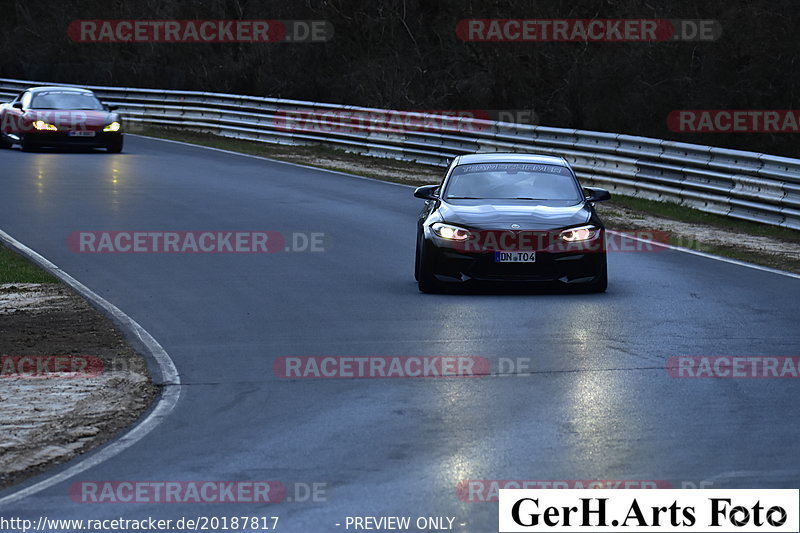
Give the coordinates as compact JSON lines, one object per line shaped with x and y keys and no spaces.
{"x":342,"y":173}
{"x":707,"y":255}
{"x":169,"y":380}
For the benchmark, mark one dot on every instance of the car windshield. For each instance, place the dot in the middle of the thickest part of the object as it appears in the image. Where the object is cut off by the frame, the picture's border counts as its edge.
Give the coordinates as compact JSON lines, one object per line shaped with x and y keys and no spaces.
{"x":523,"y":181}
{"x":65,"y":100}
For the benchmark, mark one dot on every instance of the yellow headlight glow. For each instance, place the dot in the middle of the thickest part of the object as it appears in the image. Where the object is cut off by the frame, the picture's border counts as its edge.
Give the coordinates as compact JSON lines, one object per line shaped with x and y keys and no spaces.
{"x":583,"y":233}
{"x":452,"y":233}
{"x":42,"y":125}
{"x":114,"y":126}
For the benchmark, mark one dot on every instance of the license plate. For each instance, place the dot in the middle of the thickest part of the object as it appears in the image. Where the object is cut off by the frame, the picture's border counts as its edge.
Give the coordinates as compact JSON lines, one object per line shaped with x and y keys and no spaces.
{"x":81,"y":134}
{"x":515,"y":257}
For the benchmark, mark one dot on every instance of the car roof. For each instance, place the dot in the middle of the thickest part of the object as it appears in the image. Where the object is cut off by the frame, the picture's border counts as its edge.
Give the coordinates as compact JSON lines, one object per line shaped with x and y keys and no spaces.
{"x":60,"y":89}
{"x":499,"y":157}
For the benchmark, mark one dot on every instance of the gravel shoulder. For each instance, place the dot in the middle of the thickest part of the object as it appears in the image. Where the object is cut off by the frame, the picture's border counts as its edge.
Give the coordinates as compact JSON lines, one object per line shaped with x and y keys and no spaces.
{"x":780,"y":253}
{"x":47,"y":417}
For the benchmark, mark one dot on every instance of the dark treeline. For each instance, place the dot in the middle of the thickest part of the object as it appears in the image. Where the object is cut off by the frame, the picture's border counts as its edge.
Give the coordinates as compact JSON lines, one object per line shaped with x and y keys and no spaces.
{"x":404,"y":54}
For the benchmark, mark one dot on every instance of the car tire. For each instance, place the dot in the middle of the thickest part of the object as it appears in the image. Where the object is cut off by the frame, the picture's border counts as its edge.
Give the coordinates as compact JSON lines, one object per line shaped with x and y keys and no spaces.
{"x":426,"y":281}
{"x":416,"y":256}
{"x":115,"y":147}
{"x":4,"y":143}
{"x":27,"y":145}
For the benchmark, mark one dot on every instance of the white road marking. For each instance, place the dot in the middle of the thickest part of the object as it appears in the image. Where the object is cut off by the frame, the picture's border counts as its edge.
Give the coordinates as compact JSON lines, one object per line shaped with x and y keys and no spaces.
{"x":169,"y":380}
{"x":669,"y":246}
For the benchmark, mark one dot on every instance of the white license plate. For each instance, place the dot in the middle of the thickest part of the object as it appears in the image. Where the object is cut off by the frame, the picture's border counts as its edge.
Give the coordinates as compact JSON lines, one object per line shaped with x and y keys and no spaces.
{"x":515,"y":257}
{"x":81,"y":134}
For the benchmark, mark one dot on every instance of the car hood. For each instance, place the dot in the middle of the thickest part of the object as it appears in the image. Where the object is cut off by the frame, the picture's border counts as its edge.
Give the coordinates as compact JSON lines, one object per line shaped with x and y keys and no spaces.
{"x":75,"y":120}
{"x":529,"y":215}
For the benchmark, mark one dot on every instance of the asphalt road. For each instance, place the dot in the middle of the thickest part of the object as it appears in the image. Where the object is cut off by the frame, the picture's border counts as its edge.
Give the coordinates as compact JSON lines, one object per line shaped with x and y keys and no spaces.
{"x":596,"y":402}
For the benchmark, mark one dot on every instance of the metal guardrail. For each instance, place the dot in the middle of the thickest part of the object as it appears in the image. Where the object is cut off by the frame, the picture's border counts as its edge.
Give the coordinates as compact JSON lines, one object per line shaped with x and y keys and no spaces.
{"x":743,"y":185}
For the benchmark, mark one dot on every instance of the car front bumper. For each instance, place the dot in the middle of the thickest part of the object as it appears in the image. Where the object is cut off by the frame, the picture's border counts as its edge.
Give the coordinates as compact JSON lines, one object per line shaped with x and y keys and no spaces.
{"x":101,"y":139}
{"x":569,"y":265}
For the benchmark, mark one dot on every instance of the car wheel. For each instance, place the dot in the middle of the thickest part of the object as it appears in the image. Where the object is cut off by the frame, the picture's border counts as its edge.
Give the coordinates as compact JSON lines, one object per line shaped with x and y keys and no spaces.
{"x":27,"y":145}
{"x":115,"y":146}
{"x":426,"y":281}
{"x":4,"y":143}
{"x":416,"y":256}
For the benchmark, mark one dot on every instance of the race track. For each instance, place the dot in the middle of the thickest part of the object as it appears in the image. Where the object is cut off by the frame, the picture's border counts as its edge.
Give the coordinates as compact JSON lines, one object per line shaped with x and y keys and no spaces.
{"x":596,"y":402}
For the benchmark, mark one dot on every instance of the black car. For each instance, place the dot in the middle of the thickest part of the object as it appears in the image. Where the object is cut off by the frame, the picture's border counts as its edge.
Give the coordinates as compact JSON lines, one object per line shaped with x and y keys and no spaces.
{"x":510,"y":218}
{"x":59,"y":116}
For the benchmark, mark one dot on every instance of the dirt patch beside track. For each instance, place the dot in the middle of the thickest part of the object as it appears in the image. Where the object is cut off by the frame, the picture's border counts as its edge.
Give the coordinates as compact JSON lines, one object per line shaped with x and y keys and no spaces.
{"x":48,"y":419}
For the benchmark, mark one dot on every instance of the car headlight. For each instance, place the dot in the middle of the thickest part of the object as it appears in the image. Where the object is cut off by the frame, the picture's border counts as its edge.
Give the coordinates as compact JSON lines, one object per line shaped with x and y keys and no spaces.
{"x":451,"y":233}
{"x":582,"y":233}
{"x":114,"y":126}
{"x":42,"y":125}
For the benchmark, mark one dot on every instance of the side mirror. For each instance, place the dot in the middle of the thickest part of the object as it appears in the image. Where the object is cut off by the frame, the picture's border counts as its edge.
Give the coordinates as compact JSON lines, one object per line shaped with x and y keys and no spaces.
{"x":596,"y":194}
{"x":427,"y":192}
{"x":17,"y":105}
{"x":112,"y":107}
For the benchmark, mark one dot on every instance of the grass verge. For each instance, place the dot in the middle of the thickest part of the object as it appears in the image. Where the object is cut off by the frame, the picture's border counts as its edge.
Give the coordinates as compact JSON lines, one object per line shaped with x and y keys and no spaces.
{"x":319,"y":156}
{"x":693,"y":216}
{"x":16,"y":269}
